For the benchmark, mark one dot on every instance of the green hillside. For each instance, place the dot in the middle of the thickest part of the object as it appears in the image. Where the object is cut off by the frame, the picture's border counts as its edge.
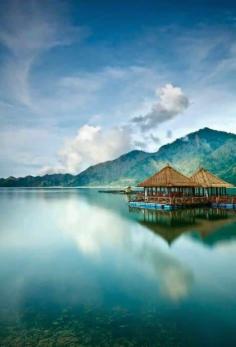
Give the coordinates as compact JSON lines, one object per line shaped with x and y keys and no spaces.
{"x":214,"y":150}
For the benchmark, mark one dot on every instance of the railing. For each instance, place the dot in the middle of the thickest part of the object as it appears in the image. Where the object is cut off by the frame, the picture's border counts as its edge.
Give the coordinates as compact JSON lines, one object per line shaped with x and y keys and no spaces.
{"x":223,"y":199}
{"x":185,"y":200}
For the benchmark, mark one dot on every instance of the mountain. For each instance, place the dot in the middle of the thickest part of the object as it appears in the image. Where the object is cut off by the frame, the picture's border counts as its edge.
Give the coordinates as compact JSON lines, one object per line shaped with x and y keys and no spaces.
{"x":214,"y":150}
{"x":55,"y":180}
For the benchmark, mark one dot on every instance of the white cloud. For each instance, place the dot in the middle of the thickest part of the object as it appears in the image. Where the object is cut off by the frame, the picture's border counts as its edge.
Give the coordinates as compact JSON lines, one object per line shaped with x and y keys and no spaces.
{"x":27,"y":30}
{"x":94,"y":144}
{"x":27,"y":148}
{"x":171,"y":103}
{"x":90,"y":146}
{"x":89,"y":90}
{"x":118,"y":85}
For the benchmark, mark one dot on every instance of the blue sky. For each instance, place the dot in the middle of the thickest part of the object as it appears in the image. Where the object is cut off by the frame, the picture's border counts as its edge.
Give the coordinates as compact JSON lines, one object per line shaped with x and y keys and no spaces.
{"x":85,"y":81}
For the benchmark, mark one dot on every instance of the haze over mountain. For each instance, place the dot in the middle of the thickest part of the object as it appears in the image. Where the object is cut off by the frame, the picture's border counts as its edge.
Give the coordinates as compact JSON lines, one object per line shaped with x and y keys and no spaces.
{"x":214,"y":150}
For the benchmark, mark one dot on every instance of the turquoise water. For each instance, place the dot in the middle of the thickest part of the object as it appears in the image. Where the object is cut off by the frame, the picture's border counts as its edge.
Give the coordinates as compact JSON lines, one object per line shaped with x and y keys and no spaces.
{"x":79,"y":268}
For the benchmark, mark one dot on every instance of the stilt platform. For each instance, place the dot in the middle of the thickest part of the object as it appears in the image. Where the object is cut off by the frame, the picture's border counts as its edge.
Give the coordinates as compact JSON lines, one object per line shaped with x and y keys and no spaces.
{"x":170,"y":203}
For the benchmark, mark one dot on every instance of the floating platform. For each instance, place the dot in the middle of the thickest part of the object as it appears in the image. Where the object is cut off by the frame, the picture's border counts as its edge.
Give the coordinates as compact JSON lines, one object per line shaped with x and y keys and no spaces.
{"x":225,"y":206}
{"x":152,"y":206}
{"x":170,"y":207}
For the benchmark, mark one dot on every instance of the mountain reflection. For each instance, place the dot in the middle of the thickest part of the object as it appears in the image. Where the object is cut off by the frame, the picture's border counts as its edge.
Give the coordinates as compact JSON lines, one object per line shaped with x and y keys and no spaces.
{"x":87,"y":247}
{"x":73,"y":261}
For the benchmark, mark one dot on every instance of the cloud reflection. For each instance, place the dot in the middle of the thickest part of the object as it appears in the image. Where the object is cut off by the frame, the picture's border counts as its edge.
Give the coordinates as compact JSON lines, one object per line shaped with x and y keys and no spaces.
{"x":98,"y":232}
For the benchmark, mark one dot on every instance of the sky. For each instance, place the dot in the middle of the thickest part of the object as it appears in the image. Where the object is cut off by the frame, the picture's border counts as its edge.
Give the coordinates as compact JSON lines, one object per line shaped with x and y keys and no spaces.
{"x":85,"y":81}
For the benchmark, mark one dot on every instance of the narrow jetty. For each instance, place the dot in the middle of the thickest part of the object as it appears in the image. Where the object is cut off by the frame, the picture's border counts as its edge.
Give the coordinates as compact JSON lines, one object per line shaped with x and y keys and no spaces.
{"x":127,"y":191}
{"x":169,"y":189}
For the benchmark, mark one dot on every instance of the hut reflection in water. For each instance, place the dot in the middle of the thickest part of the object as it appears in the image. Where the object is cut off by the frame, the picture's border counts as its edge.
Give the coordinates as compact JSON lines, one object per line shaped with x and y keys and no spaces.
{"x":171,"y":224}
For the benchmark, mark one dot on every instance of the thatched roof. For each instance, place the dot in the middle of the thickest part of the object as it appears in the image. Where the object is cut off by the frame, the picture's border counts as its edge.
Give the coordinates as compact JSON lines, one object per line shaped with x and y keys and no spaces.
{"x":168,"y":177}
{"x":206,"y":179}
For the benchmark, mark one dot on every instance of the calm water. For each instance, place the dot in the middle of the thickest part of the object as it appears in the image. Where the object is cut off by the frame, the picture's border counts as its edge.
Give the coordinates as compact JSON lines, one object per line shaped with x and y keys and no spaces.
{"x":77,"y":268}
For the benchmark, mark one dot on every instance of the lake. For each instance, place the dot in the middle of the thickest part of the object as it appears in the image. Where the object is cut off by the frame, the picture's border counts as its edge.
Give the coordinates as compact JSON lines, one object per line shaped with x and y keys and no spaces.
{"x":79,"y":268}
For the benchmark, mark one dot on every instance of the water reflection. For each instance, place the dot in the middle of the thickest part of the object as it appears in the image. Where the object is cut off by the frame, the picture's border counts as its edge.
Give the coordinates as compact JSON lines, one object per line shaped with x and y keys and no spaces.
{"x":79,"y":265}
{"x":106,"y":233}
{"x":172,"y":224}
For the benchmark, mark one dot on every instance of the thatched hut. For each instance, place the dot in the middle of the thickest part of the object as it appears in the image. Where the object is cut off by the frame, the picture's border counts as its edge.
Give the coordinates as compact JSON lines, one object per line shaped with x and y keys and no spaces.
{"x":168,"y":182}
{"x":209,"y":184}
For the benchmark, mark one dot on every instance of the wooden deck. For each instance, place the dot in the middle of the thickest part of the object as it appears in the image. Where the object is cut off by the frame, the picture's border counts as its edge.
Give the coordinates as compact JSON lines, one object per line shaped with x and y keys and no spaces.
{"x":184,"y":201}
